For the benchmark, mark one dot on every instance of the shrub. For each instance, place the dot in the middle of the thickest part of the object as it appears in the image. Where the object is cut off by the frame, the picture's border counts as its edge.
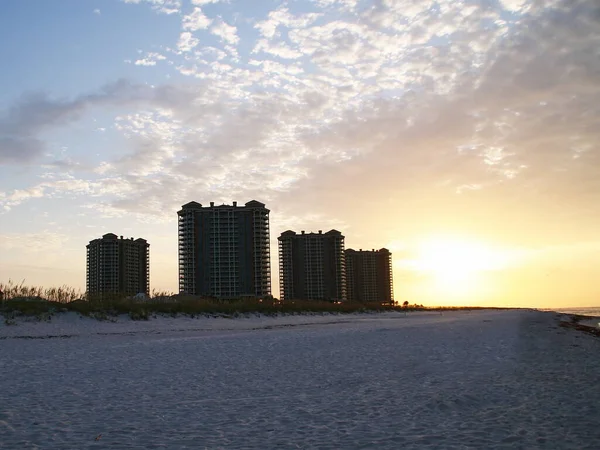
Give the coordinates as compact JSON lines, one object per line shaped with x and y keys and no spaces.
{"x":140,"y":314}
{"x":34,"y":301}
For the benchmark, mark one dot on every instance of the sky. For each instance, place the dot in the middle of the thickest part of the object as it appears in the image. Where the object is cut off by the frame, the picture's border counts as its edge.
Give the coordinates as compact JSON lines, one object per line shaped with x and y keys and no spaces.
{"x":461,"y":135}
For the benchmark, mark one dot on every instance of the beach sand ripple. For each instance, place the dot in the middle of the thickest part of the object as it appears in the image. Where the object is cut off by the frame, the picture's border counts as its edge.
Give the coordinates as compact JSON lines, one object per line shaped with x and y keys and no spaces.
{"x":487,"y":379}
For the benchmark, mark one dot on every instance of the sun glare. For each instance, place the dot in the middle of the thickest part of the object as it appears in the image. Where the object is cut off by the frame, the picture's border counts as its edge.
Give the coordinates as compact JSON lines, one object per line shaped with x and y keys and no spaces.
{"x":456,"y":265}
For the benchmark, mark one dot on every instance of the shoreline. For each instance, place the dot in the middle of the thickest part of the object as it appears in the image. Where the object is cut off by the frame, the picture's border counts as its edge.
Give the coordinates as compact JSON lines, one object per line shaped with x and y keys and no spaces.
{"x":585,"y":324}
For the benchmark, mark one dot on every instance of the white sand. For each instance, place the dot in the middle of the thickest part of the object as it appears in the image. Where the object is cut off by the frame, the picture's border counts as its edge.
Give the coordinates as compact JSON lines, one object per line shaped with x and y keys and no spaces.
{"x":486,"y":379}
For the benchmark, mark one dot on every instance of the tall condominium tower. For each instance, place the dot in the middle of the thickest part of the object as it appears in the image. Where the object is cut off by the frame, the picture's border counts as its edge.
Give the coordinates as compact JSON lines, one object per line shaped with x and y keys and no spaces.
{"x":369,"y":276}
{"x":312,"y":266}
{"x":117,"y":265}
{"x":224,"y":250}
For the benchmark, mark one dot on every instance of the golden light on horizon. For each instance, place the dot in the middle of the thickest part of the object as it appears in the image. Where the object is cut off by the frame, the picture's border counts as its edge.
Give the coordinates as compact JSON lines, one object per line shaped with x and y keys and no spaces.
{"x":456,"y":267}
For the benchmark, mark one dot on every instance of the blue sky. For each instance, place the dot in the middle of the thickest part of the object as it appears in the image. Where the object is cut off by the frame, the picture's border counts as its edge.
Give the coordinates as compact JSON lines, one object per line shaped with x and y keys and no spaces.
{"x":462,"y":135}
{"x":72,"y":48}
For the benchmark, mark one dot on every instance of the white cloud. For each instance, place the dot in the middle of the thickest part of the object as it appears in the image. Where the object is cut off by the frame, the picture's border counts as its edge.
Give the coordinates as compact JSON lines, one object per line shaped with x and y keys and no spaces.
{"x":20,"y":195}
{"x":441,"y":104}
{"x":196,"y":20}
{"x":226,"y":32}
{"x":162,"y":6}
{"x":33,"y":242}
{"x":187,"y":42}
{"x":281,"y":17}
{"x":145,"y":62}
{"x":97,"y":11}
{"x":344,"y":4}
{"x":104,"y":167}
{"x":515,"y":6}
{"x":150,"y":59}
{"x":70,"y":187}
{"x":279,"y":49}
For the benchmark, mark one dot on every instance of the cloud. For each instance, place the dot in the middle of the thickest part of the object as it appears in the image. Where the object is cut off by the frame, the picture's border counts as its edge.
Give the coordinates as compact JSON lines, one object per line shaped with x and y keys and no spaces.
{"x":18,"y":149}
{"x":282,"y":18}
{"x":468,"y":111}
{"x":20,"y":195}
{"x":22,"y":124}
{"x":281,"y":50}
{"x":514,"y":137}
{"x":96,"y":11}
{"x":514,"y":6}
{"x":33,"y":113}
{"x":195,"y":21}
{"x":150,"y":59}
{"x":204,"y":2}
{"x":187,"y":42}
{"x":64,"y":164}
{"x":162,"y":6}
{"x":33,"y":242}
{"x":226,"y":32}
{"x":68,"y":186}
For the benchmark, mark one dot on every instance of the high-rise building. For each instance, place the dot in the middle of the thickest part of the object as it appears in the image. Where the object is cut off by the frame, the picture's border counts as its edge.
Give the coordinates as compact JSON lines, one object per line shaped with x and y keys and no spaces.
{"x":224,"y":250}
{"x":369,"y":276}
{"x":117,"y":265}
{"x":312,"y":266}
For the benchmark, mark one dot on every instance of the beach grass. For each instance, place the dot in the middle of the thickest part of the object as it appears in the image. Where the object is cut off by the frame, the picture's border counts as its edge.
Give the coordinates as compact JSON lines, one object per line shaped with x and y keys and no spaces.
{"x":20,"y":299}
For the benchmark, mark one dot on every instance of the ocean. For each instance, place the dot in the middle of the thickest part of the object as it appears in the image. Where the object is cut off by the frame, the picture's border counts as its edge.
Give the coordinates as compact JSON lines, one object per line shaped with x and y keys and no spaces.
{"x":593,"y":311}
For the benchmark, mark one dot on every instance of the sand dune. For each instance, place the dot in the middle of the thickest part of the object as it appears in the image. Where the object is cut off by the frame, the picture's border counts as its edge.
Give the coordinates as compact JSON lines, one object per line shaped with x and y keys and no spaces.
{"x":487,"y":379}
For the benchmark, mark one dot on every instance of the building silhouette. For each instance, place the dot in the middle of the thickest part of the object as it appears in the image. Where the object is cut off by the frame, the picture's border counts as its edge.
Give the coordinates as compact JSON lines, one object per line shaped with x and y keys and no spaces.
{"x":369,"y":276}
{"x":117,"y":265}
{"x":224,"y":250}
{"x":312,"y":266}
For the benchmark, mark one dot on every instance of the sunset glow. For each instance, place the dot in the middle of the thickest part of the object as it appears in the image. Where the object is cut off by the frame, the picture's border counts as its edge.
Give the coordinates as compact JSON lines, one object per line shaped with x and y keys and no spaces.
{"x":458,"y":135}
{"x":455,"y":267}
{"x":454,"y":262}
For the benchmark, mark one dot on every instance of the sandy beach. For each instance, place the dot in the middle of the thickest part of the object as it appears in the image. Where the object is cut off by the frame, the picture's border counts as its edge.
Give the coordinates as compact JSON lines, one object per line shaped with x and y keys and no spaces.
{"x":485,"y":379}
